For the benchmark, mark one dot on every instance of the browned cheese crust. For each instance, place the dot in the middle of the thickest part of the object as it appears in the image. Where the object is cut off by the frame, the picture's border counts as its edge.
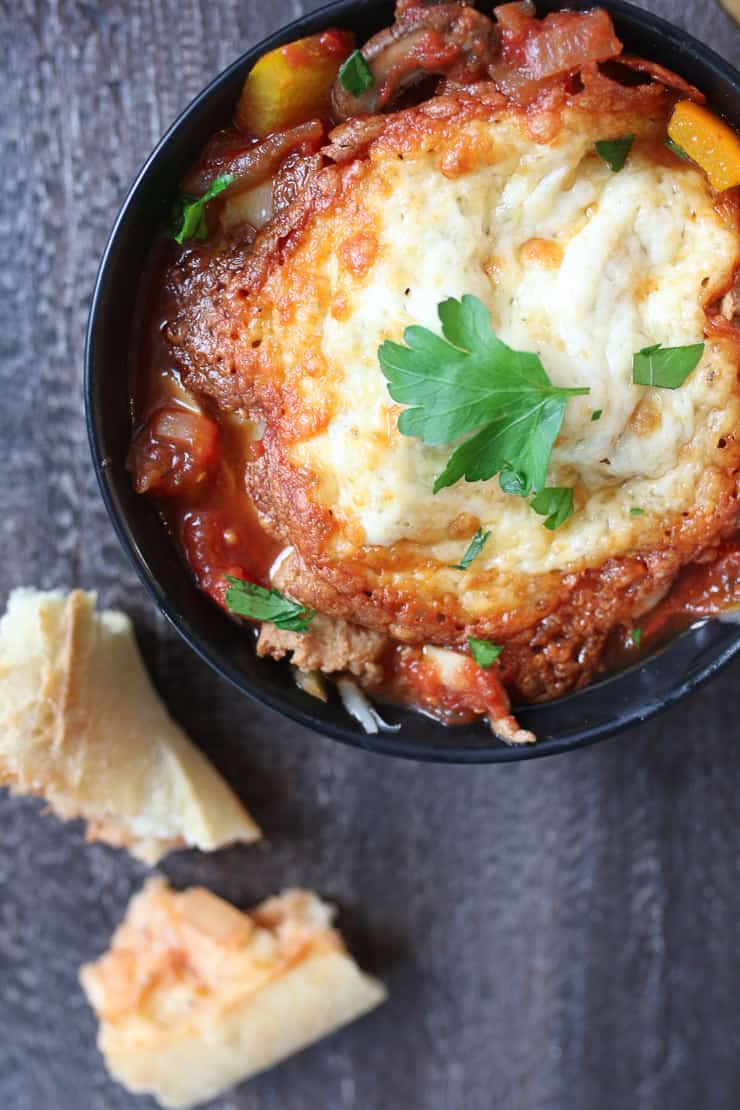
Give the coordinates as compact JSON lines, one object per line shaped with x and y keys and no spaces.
{"x":238,"y":300}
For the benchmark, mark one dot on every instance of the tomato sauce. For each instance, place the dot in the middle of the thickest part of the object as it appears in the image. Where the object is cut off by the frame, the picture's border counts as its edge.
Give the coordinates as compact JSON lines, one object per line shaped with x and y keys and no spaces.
{"x":191,"y":459}
{"x":196,"y":478}
{"x":412,"y":678}
{"x":703,"y":590}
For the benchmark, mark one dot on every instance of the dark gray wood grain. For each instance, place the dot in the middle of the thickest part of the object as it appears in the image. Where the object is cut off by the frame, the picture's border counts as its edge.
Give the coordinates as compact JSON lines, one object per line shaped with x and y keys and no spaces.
{"x":558,"y":935}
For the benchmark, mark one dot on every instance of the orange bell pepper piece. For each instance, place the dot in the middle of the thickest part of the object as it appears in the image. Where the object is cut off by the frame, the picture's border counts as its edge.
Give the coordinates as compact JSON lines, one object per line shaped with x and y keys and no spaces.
{"x":293,"y":83}
{"x":708,"y":141}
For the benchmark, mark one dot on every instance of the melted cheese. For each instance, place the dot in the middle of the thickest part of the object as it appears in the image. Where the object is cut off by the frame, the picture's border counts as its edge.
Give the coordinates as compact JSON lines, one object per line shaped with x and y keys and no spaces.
{"x":579,"y":264}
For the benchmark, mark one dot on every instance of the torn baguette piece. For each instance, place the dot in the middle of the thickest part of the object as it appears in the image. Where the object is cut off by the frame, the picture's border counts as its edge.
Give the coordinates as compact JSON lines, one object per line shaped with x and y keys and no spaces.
{"x":82,"y":726}
{"x":194,"y":996}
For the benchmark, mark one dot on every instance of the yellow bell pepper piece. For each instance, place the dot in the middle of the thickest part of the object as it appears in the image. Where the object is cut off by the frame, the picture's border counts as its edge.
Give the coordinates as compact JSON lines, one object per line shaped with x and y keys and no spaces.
{"x":293,"y":83}
{"x":708,"y":141}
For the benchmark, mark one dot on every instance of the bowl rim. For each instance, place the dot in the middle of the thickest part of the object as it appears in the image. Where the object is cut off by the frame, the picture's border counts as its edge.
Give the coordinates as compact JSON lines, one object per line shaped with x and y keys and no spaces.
{"x":384,"y":743}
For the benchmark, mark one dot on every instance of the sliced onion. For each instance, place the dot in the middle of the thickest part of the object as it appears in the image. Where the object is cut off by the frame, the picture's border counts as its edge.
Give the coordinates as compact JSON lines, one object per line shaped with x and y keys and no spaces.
{"x":561,"y":43}
{"x":251,"y":164}
{"x":180,"y":426}
{"x":452,"y":666}
{"x":251,"y":206}
{"x":361,"y":708}
{"x":568,"y":40}
{"x":280,"y":558}
{"x":515,"y":17}
{"x":312,"y":683}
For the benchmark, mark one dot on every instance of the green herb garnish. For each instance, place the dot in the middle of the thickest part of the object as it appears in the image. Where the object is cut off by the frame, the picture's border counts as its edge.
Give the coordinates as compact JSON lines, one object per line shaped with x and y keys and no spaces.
{"x":597,"y":414}
{"x":484,"y":652}
{"x":636,"y":636}
{"x":246,"y":599}
{"x":636,"y":511}
{"x":614,"y":151}
{"x":556,"y":503}
{"x":665,"y":367}
{"x":467,"y":380}
{"x":355,"y":74}
{"x":189,"y":215}
{"x":677,"y":150}
{"x":478,"y":542}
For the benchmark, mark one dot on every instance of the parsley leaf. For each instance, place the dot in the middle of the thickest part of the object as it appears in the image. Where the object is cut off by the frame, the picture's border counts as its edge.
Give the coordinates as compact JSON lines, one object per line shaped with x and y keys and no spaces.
{"x":636,"y":636}
{"x":614,"y":151}
{"x":478,"y":542}
{"x":189,"y":215}
{"x":556,"y":503}
{"x":637,"y":511}
{"x":246,"y":599}
{"x":467,"y":380}
{"x":665,"y":367}
{"x":677,"y":150}
{"x":355,"y":74}
{"x":484,"y":652}
{"x":597,"y":414}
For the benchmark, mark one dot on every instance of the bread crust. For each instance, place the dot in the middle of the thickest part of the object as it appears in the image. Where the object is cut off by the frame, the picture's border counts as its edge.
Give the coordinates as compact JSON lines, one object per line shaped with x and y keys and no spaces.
{"x":194,"y":996}
{"x":82,"y":726}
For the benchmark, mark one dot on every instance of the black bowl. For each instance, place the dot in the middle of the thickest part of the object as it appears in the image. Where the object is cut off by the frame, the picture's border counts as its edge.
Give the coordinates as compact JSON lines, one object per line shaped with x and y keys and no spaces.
{"x":570,"y":722}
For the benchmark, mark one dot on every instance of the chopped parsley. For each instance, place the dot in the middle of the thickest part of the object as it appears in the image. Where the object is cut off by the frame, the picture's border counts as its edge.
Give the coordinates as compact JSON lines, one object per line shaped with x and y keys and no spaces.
{"x":614,"y":151}
{"x":665,"y":367}
{"x":636,"y":636}
{"x":484,"y":652}
{"x":189,"y":214}
{"x":355,"y":74}
{"x":246,"y":599}
{"x":597,"y":414}
{"x":556,"y":503}
{"x":637,"y":511}
{"x":468,"y":381}
{"x":677,"y":150}
{"x":478,"y":542}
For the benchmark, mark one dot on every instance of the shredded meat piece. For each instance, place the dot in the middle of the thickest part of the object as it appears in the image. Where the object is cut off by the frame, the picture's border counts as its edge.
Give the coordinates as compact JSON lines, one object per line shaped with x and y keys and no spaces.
{"x":330,"y":645}
{"x":508,"y":729}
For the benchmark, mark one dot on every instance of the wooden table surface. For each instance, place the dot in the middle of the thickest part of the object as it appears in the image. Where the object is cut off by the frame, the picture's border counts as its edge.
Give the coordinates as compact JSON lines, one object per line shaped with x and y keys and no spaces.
{"x":555,"y":935}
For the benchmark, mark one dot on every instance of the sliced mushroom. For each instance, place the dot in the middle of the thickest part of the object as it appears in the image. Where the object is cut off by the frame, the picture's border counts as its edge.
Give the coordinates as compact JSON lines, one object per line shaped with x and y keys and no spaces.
{"x":450,"y":40}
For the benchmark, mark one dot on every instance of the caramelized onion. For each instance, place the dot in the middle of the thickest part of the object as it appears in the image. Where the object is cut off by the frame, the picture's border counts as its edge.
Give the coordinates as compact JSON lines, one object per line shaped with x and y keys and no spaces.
{"x":249,"y":163}
{"x":515,"y":17}
{"x":561,"y":43}
{"x":351,"y":139}
{"x":175,"y":452}
{"x":665,"y":76}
